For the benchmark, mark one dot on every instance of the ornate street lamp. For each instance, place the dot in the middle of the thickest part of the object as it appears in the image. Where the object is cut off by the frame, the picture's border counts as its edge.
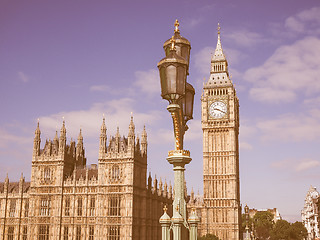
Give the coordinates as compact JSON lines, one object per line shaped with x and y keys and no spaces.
{"x":173,"y":71}
{"x":246,"y":211}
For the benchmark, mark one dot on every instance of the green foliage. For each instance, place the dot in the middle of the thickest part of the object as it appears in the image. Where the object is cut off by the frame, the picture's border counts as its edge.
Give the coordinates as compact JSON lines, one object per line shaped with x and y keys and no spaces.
{"x":281,"y":230}
{"x":208,"y":237}
{"x":263,"y":222}
{"x":298,"y":231}
{"x":265,"y":228}
{"x":284,"y":230}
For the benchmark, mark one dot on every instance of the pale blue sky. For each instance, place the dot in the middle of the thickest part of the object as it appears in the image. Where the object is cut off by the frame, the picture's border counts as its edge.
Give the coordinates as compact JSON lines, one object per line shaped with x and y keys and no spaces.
{"x":80,"y":59}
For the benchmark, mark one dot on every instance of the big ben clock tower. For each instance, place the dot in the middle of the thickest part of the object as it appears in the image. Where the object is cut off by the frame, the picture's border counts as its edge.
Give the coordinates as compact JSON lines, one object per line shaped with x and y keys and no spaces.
{"x":220,"y":124}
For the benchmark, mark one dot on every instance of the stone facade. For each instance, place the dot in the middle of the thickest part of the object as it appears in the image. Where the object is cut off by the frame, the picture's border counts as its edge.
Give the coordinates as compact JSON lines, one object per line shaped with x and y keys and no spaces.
{"x":68,"y":200}
{"x":310,"y":213}
{"x":219,"y":208}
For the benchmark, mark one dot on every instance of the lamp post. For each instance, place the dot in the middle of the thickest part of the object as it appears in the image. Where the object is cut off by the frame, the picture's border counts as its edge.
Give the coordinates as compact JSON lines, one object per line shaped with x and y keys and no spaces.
{"x":246,"y":211}
{"x":173,"y":69}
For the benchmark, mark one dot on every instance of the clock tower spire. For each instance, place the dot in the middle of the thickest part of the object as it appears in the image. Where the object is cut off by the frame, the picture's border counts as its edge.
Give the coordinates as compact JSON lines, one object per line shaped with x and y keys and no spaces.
{"x":220,"y":125}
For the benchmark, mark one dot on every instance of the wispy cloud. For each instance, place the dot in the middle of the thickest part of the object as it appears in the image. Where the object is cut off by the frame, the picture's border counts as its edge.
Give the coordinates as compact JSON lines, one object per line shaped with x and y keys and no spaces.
{"x":307,"y":22}
{"x":148,"y":82}
{"x":245,"y":146}
{"x":23,"y":77}
{"x":290,"y":128}
{"x":7,"y":138}
{"x":290,"y":70}
{"x":100,"y":88}
{"x":202,"y":60}
{"x":296,"y":165}
{"x":245,"y":38}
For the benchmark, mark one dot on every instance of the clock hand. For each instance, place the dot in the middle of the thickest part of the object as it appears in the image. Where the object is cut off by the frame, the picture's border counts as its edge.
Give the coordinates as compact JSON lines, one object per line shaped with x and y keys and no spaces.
{"x":219,"y":110}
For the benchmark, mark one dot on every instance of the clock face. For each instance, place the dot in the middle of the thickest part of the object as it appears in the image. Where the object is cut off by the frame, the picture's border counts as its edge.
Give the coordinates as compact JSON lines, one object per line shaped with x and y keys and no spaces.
{"x":218,"y":109}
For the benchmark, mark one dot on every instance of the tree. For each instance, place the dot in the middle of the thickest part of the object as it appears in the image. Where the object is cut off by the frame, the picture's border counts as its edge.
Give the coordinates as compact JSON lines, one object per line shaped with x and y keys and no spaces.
{"x":281,"y":230}
{"x":298,"y":231}
{"x":263,"y":221}
{"x":208,"y":237}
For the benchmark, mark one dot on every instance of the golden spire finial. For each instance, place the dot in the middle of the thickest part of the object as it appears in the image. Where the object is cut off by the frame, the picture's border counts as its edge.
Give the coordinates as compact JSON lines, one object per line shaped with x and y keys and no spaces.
{"x":165,"y":209}
{"x":176,"y":26}
{"x":218,"y":28}
{"x":172,"y":41}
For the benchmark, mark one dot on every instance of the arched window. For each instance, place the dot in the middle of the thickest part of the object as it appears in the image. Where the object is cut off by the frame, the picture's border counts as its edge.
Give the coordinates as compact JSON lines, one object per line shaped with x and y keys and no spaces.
{"x":47,"y":174}
{"x":115,"y":173}
{"x":79,"y":206}
{"x":114,"y":205}
{"x":92,"y":206}
{"x":67,"y":207}
{"x":45,"y":207}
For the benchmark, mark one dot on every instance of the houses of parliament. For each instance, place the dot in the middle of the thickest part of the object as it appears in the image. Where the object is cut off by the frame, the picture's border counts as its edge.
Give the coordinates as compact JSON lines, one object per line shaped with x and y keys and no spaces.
{"x":115,"y":199}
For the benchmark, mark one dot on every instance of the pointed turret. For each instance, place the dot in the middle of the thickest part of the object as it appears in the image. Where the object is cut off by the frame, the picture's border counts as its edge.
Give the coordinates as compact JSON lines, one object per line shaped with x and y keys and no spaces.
{"x":63,"y":138}
{"x":218,"y":53}
{"x":165,"y":188}
{"x":170,"y":194}
{"x":117,"y":140}
{"x":56,"y":141}
{"x":131,"y":136}
{"x":21,"y":181}
{"x":103,"y":139}
{"x":137,"y":144}
{"x":192,"y":195}
{"x":160,"y":188}
{"x":6,"y":184}
{"x":149,"y":181}
{"x":79,"y":148}
{"x":131,"y":126}
{"x":144,"y":142}
{"x":219,"y":74}
{"x":155,"y":184}
{"x":37,"y":141}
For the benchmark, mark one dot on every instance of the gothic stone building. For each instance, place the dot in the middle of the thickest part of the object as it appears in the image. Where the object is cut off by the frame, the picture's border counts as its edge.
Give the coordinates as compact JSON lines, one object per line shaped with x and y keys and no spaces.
{"x":68,"y":200}
{"x":219,"y":208}
{"x":310,"y":213}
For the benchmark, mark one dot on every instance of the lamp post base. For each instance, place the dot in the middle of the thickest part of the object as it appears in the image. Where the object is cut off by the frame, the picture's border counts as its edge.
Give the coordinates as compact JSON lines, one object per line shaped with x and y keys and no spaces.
{"x":179,"y":158}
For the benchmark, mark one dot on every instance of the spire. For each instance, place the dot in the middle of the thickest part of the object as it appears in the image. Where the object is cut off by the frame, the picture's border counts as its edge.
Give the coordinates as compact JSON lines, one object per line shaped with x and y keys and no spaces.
{"x":79,"y":150}
{"x":131,"y":136}
{"x":56,"y":136}
{"x":219,"y":74}
{"x":37,"y":141}
{"x":103,"y":126}
{"x":149,"y":181}
{"x":103,"y":139}
{"x":80,"y":138}
{"x":218,"y":53}
{"x":165,"y":188}
{"x":144,"y":141}
{"x":21,"y":181}
{"x":37,"y":132}
{"x":6,"y":180}
{"x":131,"y":126}
{"x":62,"y":140}
{"x":118,"y":133}
{"x":63,"y":128}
